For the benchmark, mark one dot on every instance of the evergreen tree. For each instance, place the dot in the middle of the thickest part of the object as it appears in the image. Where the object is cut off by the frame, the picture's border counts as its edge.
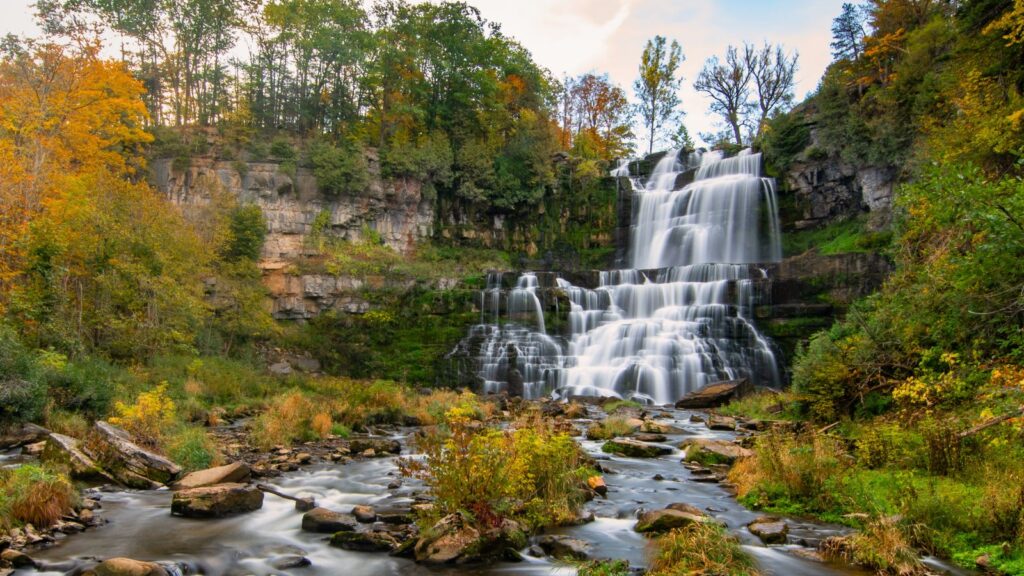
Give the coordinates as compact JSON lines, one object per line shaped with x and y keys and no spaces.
{"x":848,"y":33}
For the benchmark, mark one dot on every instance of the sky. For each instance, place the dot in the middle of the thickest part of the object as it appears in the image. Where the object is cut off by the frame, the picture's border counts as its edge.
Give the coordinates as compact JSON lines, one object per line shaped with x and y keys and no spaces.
{"x":578,"y":36}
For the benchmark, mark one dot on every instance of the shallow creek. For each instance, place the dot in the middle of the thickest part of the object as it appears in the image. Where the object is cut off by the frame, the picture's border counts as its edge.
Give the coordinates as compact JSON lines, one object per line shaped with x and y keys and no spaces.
{"x":141,"y":527}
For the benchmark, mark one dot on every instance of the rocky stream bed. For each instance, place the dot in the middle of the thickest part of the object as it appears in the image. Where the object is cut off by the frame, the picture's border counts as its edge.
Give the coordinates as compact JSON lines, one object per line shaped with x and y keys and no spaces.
{"x":360,"y":494}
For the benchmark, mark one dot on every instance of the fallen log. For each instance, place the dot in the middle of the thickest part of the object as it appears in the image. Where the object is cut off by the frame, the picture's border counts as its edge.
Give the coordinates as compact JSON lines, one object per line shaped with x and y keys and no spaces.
{"x":992,"y":422}
{"x":302,"y":504}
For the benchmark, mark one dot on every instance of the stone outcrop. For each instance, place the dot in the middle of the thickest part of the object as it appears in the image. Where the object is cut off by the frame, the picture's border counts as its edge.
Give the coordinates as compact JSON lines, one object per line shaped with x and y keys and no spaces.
{"x":67,"y":451}
{"x":21,"y":435}
{"x":769,"y":529}
{"x":711,"y":451}
{"x":126,"y":461}
{"x":660,"y":521}
{"x":216,"y":501}
{"x":324,"y":521}
{"x":634,"y":449}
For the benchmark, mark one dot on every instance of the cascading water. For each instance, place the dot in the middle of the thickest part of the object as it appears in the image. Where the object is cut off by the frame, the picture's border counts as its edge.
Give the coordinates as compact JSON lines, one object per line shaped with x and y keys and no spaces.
{"x":679,"y":319}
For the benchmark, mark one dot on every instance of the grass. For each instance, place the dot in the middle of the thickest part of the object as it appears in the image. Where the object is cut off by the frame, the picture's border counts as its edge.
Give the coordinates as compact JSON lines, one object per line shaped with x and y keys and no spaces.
{"x":839,"y":238}
{"x":762,"y":406}
{"x":700,"y":548}
{"x":611,"y":407}
{"x":611,"y":427}
{"x":604,"y":568}
{"x":36,"y":495}
{"x":882,"y":545}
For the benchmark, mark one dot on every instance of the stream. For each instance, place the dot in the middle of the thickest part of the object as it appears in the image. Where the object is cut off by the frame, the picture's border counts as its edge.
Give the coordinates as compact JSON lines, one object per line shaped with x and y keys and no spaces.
{"x":141,"y":526}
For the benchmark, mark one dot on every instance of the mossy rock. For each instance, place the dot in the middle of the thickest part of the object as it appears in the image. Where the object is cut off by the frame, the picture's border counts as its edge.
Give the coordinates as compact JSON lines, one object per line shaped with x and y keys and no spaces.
{"x":634,"y":449}
{"x":661,"y":521}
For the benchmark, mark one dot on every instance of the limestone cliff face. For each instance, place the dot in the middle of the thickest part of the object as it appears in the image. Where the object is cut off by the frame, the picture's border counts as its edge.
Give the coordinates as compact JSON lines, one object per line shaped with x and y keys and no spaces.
{"x":829,"y":190}
{"x":395,"y":209}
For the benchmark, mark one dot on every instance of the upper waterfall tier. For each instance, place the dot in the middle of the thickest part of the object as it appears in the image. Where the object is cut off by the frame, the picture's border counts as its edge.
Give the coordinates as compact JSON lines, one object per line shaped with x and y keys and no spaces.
{"x":726,"y":215}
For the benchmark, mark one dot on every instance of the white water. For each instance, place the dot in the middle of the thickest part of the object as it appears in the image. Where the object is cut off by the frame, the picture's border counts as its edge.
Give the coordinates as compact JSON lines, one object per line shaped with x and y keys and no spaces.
{"x":679,"y":319}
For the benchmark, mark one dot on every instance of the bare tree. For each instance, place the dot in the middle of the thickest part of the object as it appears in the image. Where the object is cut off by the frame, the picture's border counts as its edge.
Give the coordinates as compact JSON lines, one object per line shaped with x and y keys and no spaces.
{"x":728,"y":86}
{"x":773,"y":74}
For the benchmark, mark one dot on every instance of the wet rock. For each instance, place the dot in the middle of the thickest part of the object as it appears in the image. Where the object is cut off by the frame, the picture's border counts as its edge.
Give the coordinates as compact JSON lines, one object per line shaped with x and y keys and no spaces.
{"x":126,"y":461}
{"x":378,"y":445}
{"x":305,"y":503}
{"x":126,"y":567}
{"x":216,"y":501}
{"x":634,"y":449}
{"x":710,"y":451}
{"x":377,"y":541}
{"x":67,"y":451}
{"x":716,"y":422}
{"x":650,"y":437}
{"x":364,"y":514}
{"x":324,"y":521}
{"x":652,"y":427}
{"x":597,"y":485}
{"x":290,"y":561}
{"x":230,"y":473}
{"x":450,"y":540}
{"x":564,"y":547}
{"x":399,"y":516}
{"x":660,"y":521}
{"x":394,"y":485}
{"x":16,"y":559}
{"x":717,"y":394}
{"x":769,"y":529}
{"x":683,"y":507}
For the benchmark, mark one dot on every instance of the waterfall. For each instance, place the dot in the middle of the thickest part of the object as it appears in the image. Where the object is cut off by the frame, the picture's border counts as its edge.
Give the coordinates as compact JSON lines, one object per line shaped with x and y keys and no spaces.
{"x":680,"y":318}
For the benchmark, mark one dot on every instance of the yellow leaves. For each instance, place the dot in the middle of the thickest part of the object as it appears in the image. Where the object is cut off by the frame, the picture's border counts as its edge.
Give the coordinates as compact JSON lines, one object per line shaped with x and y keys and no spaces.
{"x":149,"y":418}
{"x":1012,"y":23}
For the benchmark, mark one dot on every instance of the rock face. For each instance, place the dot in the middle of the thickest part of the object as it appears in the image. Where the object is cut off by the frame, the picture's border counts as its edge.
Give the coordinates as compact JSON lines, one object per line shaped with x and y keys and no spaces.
{"x":449,"y":541}
{"x":21,"y":435}
{"x":717,"y":394}
{"x":126,"y":461}
{"x":235,"y":472}
{"x":216,"y":501}
{"x":634,"y":448}
{"x":324,"y":521}
{"x":829,"y":190}
{"x":126,"y":567}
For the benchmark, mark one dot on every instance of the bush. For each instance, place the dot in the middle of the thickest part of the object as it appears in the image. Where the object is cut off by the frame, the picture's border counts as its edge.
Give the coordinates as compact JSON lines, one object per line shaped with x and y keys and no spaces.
{"x":192,"y":448}
{"x":22,"y":396}
{"x":248,"y":230}
{"x":530,"y":474}
{"x":149,"y":418}
{"x":288,"y":419}
{"x":882,"y":545}
{"x":612,"y":427}
{"x":700,"y":548}
{"x":34,"y":494}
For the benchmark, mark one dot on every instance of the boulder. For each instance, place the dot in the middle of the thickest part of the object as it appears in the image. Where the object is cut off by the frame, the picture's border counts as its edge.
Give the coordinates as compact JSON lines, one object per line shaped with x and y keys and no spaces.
{"x":129,"y":463}
{"x":21,"y":435}
{"x":647,"y":437}
{"x":688,"y":508}
{"x":377,"y":541}
{"x":652,"y":427}
{"x":230,"y":473}
{"x":290,"y":561}
{"x":660,"y":521}
{"x":716,"y":422}
{"x":451,"y":540}
{"x":769,"y":529}
{"x":597,"y":485}
{"x":126,"y":567}
{"x":378,"y":445}
{"x":216,"y":501}
{"x":364,"y":514}
{"x":395,"y":516}
{"x":67,"y":451}
{"x":16,"y":559}
{"x":710,"y":451}
{"x":716,"y":394}
{"x":634,"y":449}
{"x":564,"y":547}
{"x":324,"y":521}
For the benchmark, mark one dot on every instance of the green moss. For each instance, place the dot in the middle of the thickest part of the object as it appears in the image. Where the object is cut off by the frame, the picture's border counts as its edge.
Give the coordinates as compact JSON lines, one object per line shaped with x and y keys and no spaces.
{"x":842,"y":237}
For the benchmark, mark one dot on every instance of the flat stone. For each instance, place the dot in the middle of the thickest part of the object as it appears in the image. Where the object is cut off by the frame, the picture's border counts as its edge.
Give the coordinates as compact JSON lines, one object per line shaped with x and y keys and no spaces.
{"x":711,"y":451}
{"x":647,"y":437}
{"x":126,"y":567}
{"x":769,"y":529}
{"x":716,"y":422}
{"x":717,"y":394}
{"x":236,"y":472}
{"x":634,"y":449}
{"x":364,"y":514}
{"x":216,"y":501}
{"x":377,"y":541}
{"x":324,"y":521}
{"x":564,"y":547}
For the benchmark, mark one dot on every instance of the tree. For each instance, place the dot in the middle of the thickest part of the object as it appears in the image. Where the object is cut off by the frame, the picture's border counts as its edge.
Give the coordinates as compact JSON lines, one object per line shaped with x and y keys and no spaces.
{"x":594,"y":108}
{"x":773,"y":74}
{"x":728,"y":86}
{"x":848,"y":33}
{"x":657,"y":89}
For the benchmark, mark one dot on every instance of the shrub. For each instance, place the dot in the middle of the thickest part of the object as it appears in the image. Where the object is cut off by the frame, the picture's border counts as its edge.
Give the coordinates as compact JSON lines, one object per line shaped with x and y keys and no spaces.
{"x":86,"y":385}
{"x":248,"y":230}
{"x":149,"y":418}
{"x":22,"y":397}
{"x":700,"y":548}
{"x":882,"y":546}
{"x":34,"y":494}
{"x":530,"y":474}
{"x":288,"y":419}
{"x":282,"y":149}
{"x":339,"y":170}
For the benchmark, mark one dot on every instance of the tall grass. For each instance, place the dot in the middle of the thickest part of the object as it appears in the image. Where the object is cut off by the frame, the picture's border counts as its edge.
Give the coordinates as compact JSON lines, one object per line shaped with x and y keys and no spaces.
{"x":700,"y":548}
{"x":34,"y":494}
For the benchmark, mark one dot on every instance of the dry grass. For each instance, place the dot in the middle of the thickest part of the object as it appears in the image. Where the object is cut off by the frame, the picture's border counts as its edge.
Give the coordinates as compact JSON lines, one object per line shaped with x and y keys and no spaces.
{"x":611,"y":427}
{"x":883,"y":546}
{"x":700,"y":548}
{"x":35,"y":495}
